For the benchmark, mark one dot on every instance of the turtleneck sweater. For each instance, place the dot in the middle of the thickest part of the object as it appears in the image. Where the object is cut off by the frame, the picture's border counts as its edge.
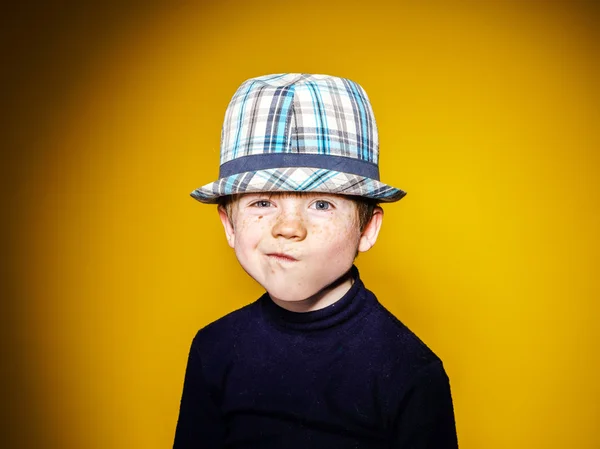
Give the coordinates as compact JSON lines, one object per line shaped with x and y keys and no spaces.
{"x":349,"y":375}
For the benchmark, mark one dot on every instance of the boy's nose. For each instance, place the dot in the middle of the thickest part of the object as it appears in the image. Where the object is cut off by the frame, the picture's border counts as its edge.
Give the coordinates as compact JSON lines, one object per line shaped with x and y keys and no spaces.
{"x":289,"y":225}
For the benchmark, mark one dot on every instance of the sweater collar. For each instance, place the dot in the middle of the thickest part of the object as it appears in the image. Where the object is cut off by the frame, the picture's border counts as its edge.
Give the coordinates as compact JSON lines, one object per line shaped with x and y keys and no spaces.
{"x":354,"y":302}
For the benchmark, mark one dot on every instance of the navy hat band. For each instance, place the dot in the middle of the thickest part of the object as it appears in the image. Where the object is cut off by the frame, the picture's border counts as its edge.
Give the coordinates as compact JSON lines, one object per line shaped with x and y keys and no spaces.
{"x":263,"y":161}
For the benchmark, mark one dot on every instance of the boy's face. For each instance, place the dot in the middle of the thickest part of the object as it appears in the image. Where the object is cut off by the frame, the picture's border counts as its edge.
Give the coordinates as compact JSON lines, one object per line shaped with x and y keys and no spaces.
{"x":296,"y":245}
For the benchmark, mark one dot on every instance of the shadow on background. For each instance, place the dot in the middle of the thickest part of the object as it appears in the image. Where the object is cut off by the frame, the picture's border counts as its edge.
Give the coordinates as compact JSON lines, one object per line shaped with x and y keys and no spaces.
{"x":47,"y":49}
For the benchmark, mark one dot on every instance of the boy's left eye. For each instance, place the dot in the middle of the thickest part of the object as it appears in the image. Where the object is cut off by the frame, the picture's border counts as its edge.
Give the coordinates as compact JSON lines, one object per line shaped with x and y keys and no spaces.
{"x":322,"y":205}
{"x":261,"y":203}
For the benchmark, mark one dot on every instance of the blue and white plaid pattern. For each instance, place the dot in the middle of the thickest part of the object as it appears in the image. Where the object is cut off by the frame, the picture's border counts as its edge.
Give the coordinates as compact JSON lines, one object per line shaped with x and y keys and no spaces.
{"x":299,"y":132}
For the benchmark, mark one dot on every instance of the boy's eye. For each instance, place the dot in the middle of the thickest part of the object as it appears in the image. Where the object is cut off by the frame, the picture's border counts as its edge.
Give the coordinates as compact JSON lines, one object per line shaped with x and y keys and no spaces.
{"x":261,"y":203}
{"x":322,"y":205}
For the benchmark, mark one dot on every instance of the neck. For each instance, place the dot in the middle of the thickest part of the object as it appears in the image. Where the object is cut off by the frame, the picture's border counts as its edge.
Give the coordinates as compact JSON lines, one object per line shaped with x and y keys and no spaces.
{"x":323,"y":298}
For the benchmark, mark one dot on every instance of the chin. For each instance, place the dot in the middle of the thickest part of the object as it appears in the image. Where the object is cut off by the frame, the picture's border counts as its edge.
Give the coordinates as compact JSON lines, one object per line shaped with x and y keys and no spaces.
{"x":286,"y":295}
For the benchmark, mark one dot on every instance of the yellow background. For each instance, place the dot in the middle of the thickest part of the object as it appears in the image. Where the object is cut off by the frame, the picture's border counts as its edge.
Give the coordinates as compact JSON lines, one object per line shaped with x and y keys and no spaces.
{"x":488,"y":116}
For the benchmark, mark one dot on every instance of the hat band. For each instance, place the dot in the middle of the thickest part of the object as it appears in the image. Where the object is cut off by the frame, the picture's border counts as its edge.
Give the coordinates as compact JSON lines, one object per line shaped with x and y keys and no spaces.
{"x":263,"y":161}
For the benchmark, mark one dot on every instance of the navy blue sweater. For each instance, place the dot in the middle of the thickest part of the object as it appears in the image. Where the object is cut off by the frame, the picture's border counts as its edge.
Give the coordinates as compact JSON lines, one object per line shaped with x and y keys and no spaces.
{"x":350,"y":375}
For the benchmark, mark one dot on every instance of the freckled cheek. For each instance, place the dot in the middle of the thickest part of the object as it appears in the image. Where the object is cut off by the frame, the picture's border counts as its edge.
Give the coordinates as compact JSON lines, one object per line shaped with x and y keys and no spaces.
{"x":250,"y":233}
{"x":337,"y":240}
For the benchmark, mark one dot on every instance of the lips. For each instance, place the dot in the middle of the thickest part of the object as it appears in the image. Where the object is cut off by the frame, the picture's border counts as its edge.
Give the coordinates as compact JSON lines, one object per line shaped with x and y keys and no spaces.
{"x":282,"y":257}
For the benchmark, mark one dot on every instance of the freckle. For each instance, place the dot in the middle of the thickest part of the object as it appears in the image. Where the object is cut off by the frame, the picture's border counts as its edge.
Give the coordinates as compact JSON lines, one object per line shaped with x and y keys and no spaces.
{"x":260,"y":216}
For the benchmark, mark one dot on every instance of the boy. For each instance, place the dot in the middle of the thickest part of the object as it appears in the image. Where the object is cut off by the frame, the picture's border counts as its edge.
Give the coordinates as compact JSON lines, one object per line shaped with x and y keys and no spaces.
{"x":317,"y":361}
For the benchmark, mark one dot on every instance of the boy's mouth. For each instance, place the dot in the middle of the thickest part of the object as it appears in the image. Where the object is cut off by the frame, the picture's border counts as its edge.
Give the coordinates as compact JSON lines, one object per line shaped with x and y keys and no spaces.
{"x":282,"y":257}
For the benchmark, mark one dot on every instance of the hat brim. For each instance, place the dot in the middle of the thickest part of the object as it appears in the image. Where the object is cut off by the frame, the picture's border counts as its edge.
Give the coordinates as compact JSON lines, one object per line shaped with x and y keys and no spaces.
{"x":298,"y":179}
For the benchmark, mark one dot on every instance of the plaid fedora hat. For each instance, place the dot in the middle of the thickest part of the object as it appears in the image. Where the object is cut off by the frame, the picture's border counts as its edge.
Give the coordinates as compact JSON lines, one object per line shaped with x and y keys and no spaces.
{"x":297,"y":132}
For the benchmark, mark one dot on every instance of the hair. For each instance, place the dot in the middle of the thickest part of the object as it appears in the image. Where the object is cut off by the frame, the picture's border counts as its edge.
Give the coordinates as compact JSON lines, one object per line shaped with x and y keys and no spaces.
{"x":364,"y":208}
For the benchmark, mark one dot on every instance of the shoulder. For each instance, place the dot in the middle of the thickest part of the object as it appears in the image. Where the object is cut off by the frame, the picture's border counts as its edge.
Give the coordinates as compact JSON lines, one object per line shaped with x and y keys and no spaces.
{"x":400,"y":345}
{"x":221,"y":334}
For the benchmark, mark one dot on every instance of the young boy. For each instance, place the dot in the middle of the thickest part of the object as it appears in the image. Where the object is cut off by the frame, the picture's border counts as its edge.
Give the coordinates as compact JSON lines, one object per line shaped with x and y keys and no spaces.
{"x":317,"y":361}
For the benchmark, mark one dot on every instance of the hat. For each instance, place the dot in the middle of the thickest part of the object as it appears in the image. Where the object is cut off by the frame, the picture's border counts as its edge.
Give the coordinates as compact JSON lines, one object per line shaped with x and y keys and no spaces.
{"x":297,"y":132}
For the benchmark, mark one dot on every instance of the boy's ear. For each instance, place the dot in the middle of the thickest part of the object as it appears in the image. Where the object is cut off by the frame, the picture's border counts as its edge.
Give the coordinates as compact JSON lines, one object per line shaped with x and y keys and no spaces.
{"x":371,"y":231}
{"x":227,"y":225}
